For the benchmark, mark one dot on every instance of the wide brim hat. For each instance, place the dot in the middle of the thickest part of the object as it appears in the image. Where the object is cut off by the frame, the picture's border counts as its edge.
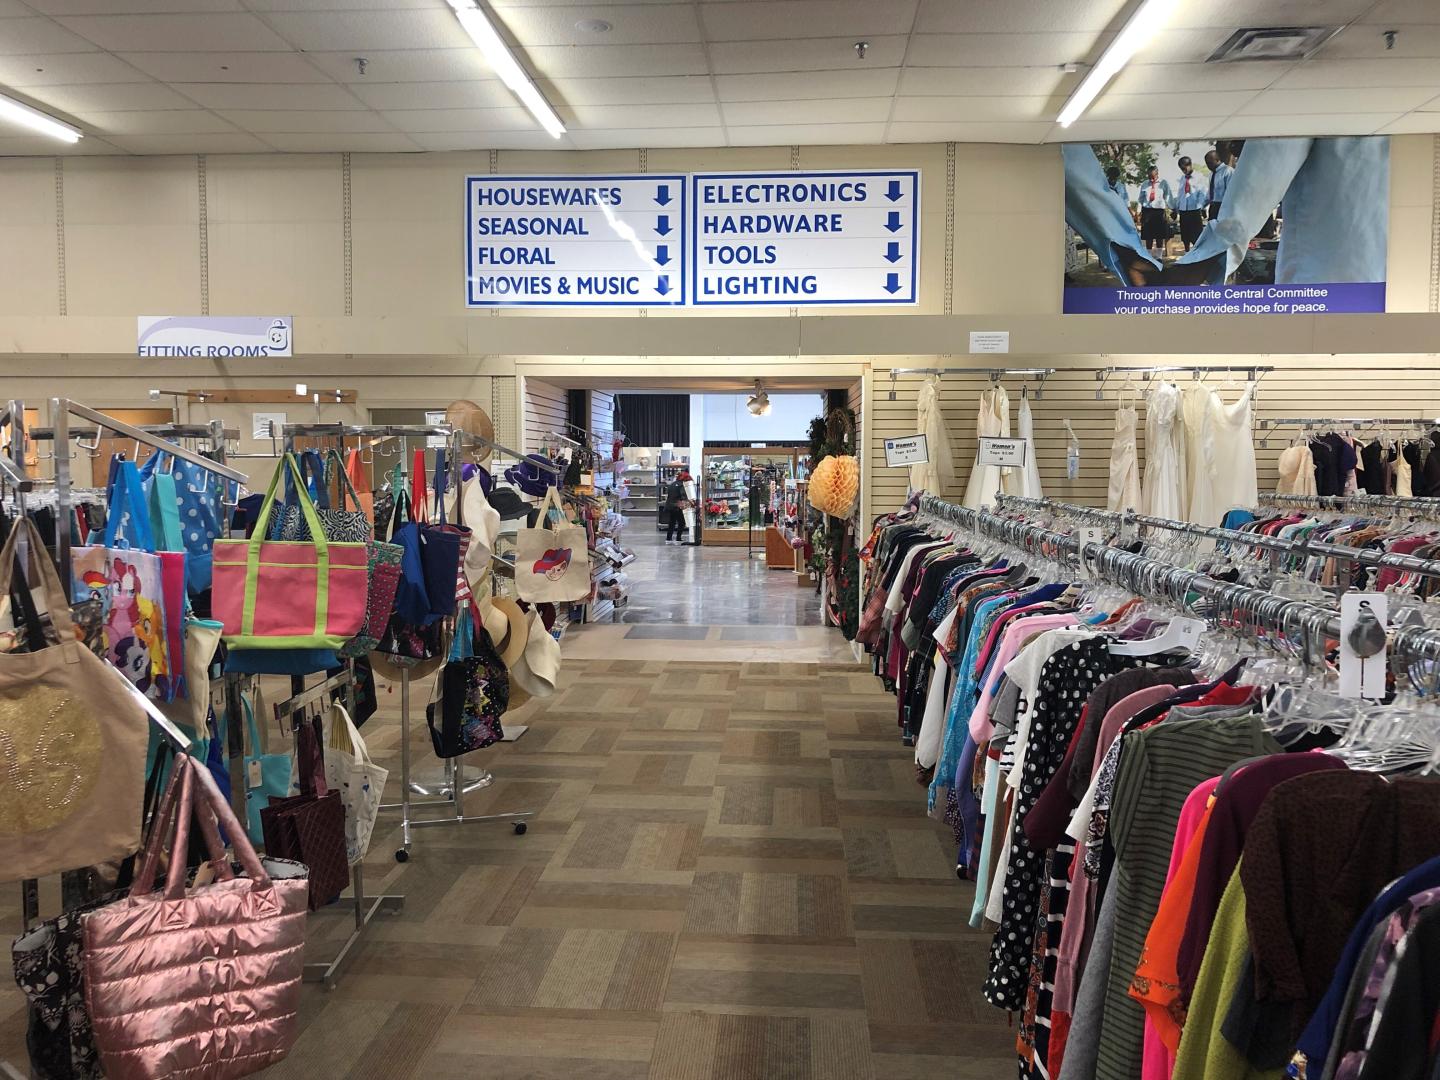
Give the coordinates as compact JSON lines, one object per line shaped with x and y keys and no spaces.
{"x":470,"y":418}
{"x":509,"y":504}
{"x":530,"y":476}
{"x":508,"y":628}
{"x":537,"y":671}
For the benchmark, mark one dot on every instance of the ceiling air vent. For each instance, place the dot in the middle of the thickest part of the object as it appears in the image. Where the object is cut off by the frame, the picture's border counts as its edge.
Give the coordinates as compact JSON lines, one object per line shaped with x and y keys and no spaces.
{"x":1271,"y":43}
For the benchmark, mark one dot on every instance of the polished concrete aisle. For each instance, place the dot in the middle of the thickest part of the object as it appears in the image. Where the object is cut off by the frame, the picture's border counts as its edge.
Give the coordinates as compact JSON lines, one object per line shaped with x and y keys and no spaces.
{"x":730,"y":876}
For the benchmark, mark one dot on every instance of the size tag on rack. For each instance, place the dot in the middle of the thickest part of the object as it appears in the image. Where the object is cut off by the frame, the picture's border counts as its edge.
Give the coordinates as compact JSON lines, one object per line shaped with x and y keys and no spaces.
{"x":1089,"y":534}
{"x":1363,"y":646}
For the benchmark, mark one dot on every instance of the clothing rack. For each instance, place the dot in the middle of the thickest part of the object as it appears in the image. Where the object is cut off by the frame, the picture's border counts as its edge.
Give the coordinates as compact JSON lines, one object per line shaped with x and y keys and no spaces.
{"x":1167,"y":583}
{"x":994,"y":374}
{"x":1253,"y":372}
{"x":1362,"y":504}
{"x":1277,"y":546}
{"x":366,"y":908}
{"x":1269,"y":424}
{"x":453,"y":786}
{"x":13,"y":467}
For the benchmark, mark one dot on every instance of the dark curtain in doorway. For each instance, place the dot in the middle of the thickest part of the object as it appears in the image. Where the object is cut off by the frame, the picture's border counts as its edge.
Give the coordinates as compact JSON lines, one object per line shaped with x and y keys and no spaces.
{"x":577,"y":410}
{"x":653,"y":419}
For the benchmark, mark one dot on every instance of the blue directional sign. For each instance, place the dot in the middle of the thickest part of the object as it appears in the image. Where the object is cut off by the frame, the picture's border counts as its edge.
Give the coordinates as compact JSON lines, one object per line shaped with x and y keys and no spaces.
{"x":573,"y":241}
{"x":805,"y":238}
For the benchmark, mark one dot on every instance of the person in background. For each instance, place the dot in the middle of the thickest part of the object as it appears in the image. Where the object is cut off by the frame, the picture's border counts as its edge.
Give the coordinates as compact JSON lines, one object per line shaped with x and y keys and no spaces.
{"x":1115,"y":184}
{"x":1221,"y":163}
{"x":1188,"y":202}
{"x":1154,"y":201}
{"x":677,"y":501}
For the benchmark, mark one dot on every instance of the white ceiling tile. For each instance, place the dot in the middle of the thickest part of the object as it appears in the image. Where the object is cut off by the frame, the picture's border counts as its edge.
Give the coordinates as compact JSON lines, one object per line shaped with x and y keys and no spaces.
{"x":647,"y":137}
{"x":807,"y":135}
{"x":485,"y":140}
{"x":361,"y":30}
{"x":357,"y":142}
{"x":1015,"y":16}
{"x":111,"y":97}
{"x":265,"y":121}
{"x":177,"y":33}
{"x":1256,"y":127}
{"x":1327,"y":73}
{"x":637,"y":90}
{"x":475,"y":94}
{"x":405,"y":65}
{"x":235,"y":143}
{"x":433,"y":120}
{"x":130,"y":7}
{"x":1416,"y":123}
{"x":1186,"y":46}
{"x":64,"y":69}
{"x":963,"y":131}
{"x":833,"y":111}
{"x":1001,"y":50}
{"x":857,"y":82}
{"x":631,"y":24}
{"x":803,"y":54}
{"x":1368,"y":40}
{"x":1143,"y":78}
{"x":156,"y":122}
{"x":240,"y":67}
{"x":592,"y":61}
{"x":1433,"y":105}
{"x":340,"y":5}
{"x":1229,"y":15}
{"x":768,"y":20}
{"x":614,"y":117}
{"x":14,"y":8}
{"x":1196,"y":127}
{"x":215,"y":95}
{"x":977,"y":82}
{"x":38,"y":146}
{"x":40,"y":36}
{"x":1401,"y":12}
{"x":968,"y":109}
{"x":1348,"y":100}
{"x":1141,"y":106}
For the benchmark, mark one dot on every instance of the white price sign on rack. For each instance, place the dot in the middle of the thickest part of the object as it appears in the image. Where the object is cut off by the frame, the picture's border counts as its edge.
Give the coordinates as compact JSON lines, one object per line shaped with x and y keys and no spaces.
{"x":911,"y":450}
{"x":1006,"y":453}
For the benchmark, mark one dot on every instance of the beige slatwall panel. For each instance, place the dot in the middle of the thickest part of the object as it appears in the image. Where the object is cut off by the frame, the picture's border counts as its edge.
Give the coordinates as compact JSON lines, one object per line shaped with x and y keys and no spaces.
{"x":1368,"y":386}
{"x":546,"y":410}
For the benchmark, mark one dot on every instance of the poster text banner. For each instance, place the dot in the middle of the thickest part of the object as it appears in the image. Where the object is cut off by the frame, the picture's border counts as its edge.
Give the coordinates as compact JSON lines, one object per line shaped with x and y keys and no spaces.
{"x":213,"y":335}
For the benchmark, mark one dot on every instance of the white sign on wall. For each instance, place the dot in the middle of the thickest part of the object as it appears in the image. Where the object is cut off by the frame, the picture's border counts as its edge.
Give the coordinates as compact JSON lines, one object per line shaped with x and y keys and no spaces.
{"x":569,"y":241}
{"x":267,"y":425}
{"x":989,"y":341}
{"x":436,"y":442}
{"x":805,"y":238}
{"x":213,"y":335}
{"x":912,"y":450}
{"x":1006,"y":453}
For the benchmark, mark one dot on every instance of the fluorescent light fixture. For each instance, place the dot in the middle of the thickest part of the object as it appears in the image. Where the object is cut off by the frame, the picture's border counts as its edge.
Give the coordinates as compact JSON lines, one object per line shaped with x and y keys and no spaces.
{"x":1149,"y":17}
{"x":17,"y":112}
{"x":482,"y":31}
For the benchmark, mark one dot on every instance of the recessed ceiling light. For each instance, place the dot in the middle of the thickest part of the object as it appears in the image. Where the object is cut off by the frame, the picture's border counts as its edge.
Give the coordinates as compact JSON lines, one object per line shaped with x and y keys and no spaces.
{"x":594,"y":26}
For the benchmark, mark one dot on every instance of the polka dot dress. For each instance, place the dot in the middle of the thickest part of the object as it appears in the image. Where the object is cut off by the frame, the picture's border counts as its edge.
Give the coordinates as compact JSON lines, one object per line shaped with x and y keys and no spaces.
{"x":1066,"y":683}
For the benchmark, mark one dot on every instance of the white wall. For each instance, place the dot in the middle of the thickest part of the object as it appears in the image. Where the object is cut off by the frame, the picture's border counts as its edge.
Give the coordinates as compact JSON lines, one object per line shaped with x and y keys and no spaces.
{"x":726,"y":419}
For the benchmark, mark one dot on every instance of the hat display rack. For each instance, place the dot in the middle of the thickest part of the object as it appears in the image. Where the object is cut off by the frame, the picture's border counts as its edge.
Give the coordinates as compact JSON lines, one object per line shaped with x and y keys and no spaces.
{"x":448,"y":792}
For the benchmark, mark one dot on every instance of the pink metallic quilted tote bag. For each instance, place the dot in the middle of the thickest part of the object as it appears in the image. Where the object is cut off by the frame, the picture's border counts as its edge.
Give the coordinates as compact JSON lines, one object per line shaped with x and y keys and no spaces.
{"x":203,"y":981}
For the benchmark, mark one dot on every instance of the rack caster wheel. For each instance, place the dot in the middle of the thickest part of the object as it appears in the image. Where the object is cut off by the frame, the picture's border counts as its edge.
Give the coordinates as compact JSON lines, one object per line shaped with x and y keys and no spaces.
{"x":520,"y":828}
{"x":402,"y":856}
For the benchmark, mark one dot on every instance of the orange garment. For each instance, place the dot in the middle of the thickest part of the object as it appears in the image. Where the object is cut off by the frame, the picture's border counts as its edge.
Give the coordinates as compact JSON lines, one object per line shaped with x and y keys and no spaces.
{"x":1157,"y":979}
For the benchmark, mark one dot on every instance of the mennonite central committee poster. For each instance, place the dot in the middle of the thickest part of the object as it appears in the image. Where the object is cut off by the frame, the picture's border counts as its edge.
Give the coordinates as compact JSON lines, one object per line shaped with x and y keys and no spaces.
{"x":1227,"y":227}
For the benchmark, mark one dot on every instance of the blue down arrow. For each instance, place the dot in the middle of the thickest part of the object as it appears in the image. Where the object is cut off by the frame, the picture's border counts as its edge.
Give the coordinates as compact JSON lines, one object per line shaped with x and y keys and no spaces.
{"x":662,"y":224}
{"x":892,"y":251}
{"x":662,"y":194}
{"x":893,"y":191}
{"x":662,"y":254}
{"x":662,"y":284}
{"x":892,"y":221}
{"x":892,"y":283}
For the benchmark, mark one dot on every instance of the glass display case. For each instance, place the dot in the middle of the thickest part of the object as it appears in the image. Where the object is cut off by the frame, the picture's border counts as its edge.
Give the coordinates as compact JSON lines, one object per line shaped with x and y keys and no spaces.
{"x":736,"y":488}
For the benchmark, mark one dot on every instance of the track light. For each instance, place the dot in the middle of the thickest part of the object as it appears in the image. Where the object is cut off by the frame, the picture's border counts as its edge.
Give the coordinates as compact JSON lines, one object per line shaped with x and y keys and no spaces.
{"x":17,"y":112}
{"x":1148,"y":18}
{"x":759,"y":403}
{"x":482,"y":31}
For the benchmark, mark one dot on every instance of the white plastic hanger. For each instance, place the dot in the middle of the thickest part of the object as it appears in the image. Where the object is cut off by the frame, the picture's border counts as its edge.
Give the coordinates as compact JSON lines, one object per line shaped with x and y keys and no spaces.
{"x":1182,"y":632}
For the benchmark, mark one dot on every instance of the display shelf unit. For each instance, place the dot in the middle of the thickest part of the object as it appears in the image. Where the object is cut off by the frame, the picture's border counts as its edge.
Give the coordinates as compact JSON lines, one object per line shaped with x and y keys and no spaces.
{"x":727,"y":513}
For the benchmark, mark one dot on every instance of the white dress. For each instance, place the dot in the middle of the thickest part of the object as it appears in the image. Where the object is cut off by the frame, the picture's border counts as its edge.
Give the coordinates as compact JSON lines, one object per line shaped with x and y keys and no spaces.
{"x":1124,"y":463}
{"x":1236,"y":483}
{"x":938,"y":474}
{"x":1025,"y":481}
{"x":1164,"y":453}
{"x":1201,"y":410}
{"x":993,"y":422}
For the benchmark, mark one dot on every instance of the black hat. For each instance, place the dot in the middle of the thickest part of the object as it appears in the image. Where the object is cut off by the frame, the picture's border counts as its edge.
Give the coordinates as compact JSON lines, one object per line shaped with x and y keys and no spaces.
{"x":509,"y":503}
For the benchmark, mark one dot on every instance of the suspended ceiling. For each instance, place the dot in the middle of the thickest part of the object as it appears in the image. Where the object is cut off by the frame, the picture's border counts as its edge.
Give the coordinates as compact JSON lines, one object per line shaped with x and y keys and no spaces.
{"x":247,"y":76}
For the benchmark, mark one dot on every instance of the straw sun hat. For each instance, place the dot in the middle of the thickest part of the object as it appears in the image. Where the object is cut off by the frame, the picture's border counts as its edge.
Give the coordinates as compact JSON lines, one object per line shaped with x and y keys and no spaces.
{"x":470,"y":418}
